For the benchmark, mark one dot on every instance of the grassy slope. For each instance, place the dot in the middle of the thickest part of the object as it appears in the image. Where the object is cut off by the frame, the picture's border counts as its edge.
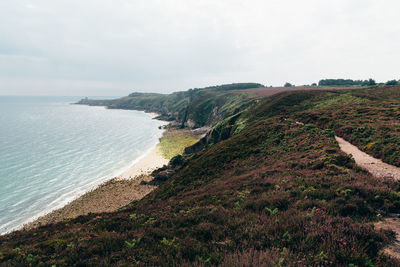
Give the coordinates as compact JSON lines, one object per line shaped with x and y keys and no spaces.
{"x":195,"y":107}
{"x":367,"y":118}
{"x":175,"y":141}
{"x":270,"y":190}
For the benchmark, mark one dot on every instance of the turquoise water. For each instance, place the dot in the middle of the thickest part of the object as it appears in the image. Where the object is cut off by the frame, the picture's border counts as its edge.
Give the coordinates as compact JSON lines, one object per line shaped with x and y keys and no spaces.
{"x":51,"y":152}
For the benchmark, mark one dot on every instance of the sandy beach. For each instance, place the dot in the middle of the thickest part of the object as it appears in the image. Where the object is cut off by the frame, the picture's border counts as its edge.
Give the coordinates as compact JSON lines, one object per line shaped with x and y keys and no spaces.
{"x":111,"y":195}
{"x":125,"y":188}
{"x":146,"y":165}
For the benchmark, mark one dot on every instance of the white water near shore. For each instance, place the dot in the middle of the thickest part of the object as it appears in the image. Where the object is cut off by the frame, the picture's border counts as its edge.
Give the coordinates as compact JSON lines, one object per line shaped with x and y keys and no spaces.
{"x":52,"y":152}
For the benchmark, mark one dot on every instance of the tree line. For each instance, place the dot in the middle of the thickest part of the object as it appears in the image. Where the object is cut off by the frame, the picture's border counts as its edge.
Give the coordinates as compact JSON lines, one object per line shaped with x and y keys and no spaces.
{"x":348,"y":82}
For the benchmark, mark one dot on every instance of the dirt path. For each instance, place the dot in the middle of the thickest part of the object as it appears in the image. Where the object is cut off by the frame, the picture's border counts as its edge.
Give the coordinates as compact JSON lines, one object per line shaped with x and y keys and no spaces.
{"x":381,"y":170}
{"x":375,"y":166}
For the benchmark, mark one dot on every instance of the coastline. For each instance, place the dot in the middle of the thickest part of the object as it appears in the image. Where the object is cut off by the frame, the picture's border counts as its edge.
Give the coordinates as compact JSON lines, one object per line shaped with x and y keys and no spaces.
{"x":144,"y":166}
{"x":110,"y":195}
{"x":126,"y":185}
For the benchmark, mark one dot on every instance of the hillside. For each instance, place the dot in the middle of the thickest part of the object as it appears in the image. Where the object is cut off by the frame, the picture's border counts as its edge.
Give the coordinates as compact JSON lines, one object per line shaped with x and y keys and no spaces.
{"x":193,"y":108}
{"x":267,"y":186}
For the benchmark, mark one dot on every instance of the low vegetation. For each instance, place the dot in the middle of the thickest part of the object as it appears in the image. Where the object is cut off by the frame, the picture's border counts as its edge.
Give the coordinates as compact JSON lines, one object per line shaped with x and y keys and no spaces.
{"x":175,"y":141}
{"x":368,"y":118}
{"x":265,"y":190}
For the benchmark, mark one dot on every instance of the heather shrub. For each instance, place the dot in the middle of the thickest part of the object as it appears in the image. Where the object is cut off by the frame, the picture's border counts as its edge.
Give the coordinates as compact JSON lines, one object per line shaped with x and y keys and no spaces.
{"x":277,"y":193}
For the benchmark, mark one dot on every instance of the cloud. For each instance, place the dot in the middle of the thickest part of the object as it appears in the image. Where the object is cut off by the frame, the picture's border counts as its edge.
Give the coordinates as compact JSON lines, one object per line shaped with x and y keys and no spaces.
{"x":178,"y":44}
{"x":29,"y":6}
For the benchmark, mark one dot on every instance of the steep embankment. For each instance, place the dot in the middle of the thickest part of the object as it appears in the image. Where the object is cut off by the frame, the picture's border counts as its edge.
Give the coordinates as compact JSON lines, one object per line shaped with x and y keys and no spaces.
{"x":263,"y":191}
{"x":193,"y":108}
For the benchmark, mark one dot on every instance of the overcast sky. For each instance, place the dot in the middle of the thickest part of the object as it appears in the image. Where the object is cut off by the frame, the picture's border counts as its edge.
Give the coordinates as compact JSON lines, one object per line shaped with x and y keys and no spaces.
{"x":114,"y":47}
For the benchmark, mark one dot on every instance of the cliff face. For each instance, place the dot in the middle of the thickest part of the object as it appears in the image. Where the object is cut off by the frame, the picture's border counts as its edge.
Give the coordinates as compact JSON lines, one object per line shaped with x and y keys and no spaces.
{"x":193,"y":108}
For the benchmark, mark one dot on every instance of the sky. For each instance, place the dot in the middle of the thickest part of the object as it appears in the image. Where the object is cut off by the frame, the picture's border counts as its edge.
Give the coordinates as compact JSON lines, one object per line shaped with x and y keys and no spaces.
{"x":115,"y":47}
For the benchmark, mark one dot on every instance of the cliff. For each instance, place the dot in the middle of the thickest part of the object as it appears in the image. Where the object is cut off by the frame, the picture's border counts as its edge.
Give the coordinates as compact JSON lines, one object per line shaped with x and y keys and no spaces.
{"x":193,"y":108}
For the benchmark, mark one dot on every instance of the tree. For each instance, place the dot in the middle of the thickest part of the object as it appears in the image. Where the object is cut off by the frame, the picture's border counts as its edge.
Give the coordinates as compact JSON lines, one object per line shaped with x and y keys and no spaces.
{"x":392,"y":82}
{"x":338,"y":82}
{"x":369,"y":82}
{"x":288,"y":85}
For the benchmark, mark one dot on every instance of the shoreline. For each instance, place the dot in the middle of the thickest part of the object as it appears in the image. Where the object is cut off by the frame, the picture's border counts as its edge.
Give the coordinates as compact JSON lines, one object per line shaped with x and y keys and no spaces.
{"x":120,"y":189}
{"x":115,"y":192}
{"x":145,"y":164}
{"x":109,"y":196}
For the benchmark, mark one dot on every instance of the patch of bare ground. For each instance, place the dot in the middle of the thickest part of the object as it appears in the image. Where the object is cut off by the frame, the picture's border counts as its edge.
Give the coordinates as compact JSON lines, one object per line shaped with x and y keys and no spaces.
{"x":375,"y":166}
{"x":392,"y":224}
{"x":378,"y":169}
{"x":108,"y":197}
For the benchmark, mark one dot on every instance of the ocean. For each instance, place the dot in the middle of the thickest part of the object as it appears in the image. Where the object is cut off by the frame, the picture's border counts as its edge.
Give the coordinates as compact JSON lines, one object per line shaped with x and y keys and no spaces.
{"x":51,"y":152}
